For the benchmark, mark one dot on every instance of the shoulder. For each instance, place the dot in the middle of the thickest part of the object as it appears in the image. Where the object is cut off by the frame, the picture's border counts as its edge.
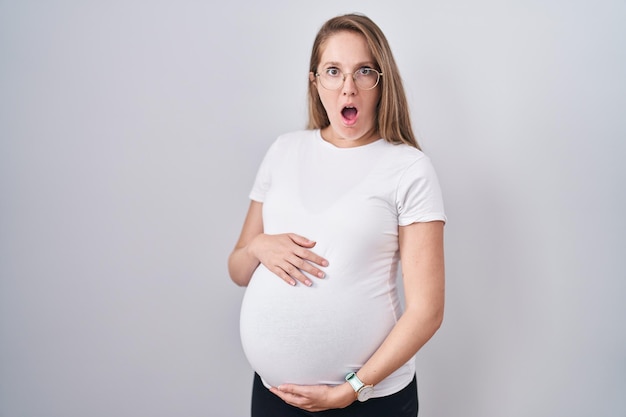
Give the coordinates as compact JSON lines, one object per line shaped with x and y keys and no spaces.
{"x":288,"y":143}
{"x":402,"y":155}
{"x":406,"y":166}
{"x":295,"y":138}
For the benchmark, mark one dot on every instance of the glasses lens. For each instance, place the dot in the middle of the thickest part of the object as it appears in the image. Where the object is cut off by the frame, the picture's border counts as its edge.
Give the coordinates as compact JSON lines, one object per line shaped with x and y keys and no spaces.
{"x":366,"y":78}
{"x":331,"y":79}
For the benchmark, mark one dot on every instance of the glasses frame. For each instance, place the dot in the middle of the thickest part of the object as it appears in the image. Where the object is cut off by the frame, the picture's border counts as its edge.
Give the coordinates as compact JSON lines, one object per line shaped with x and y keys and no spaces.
{"x":343,"y":79}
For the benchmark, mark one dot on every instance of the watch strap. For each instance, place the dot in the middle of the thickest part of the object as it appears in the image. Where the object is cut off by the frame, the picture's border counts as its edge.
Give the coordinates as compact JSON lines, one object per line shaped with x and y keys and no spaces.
{"x":354,"y":380}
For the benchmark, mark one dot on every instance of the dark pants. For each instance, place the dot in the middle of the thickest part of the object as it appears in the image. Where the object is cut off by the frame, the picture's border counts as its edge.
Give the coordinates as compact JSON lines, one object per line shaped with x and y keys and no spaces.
{"x":401,"y":404}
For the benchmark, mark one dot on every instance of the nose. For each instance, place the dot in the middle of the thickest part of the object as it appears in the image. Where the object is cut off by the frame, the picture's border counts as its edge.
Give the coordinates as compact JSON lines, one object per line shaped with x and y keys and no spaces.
{"x":349,"y":87}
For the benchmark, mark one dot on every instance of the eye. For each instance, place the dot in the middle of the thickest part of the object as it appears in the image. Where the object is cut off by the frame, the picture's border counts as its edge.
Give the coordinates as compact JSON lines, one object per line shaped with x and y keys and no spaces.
{"x":365,"y":71}
{"x":332,"y":72}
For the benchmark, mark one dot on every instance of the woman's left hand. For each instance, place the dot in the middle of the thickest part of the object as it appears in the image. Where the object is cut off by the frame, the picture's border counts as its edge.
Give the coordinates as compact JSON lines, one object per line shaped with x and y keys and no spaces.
{"x":316,"y":397}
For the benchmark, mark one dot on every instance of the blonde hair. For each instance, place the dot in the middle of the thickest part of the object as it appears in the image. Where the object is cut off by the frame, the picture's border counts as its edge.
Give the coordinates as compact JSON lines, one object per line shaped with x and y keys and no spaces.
{"x":393,"y":120}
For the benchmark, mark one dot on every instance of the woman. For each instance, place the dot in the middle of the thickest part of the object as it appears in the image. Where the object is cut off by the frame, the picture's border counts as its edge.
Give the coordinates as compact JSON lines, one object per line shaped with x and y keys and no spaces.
{"x":335,"y":209}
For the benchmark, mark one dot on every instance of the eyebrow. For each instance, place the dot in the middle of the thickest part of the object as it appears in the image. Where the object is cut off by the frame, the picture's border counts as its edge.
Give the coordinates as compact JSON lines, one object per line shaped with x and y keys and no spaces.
{"x":359,"y":65}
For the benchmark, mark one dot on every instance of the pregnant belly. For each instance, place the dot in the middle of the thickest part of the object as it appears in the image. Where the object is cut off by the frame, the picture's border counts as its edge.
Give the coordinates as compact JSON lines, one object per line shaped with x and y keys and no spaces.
{"x":311,"y":335}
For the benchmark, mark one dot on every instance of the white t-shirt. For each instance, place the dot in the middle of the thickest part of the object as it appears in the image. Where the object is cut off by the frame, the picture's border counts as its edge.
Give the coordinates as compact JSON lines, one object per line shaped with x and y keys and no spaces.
{"x":351,"y":202}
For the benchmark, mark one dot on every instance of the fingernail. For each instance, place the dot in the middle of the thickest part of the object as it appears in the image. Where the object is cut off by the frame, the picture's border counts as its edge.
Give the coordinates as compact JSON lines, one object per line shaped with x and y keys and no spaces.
{"x":308,"y":283}
{"x":292,"y":283}
{"x":324,"y":263}
{"x":321,"y":274}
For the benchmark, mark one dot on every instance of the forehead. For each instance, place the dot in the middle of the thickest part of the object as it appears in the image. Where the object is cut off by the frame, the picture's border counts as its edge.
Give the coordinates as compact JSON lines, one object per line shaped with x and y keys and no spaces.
{"x":346,"y":48}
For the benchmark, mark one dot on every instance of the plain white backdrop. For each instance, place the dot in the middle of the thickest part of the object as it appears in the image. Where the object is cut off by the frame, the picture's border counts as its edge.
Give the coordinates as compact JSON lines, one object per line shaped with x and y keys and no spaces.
{"x":131,"y":131}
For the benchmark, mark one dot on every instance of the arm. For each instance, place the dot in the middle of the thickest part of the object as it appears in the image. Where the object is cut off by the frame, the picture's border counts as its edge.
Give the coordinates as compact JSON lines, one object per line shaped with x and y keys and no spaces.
{"x":286,"y":255}
{"x":421,"y":254}
{"x":241,"y":263}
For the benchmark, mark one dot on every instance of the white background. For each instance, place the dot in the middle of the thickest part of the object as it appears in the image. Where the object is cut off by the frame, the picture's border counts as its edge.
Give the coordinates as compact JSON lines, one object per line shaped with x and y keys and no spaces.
{"x":130,"y":133}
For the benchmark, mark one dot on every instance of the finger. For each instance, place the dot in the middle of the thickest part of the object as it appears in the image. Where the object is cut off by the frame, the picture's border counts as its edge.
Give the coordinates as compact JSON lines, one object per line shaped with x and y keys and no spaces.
{"x":280,"y":272}
{"x":294,"y":271}
{"x":301,"y":240}
{"x":292,"y":397}
{"x":306,"y":266}
{"x":291,"y":274}
{"x":311,"y":257}
{"x":299,"y":396}
{"x":289,"y":398}
{"x":299,"y":390}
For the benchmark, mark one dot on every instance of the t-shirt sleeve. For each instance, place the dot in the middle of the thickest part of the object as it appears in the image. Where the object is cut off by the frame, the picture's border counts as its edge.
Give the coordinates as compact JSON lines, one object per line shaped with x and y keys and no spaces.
{"x":263,"y":180}
{"x":419,"y":196}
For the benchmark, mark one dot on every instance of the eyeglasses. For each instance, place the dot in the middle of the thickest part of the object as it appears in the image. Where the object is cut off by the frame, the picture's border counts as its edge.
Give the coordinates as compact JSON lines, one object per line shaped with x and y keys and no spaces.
{"x":365,"y":78}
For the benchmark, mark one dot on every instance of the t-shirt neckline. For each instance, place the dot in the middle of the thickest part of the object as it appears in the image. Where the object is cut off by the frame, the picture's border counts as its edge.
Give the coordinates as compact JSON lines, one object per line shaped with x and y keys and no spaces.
{"x":318,"y":134}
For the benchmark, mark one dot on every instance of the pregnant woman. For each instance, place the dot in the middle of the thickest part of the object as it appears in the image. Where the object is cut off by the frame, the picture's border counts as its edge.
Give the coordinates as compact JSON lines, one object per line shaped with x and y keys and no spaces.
{"x":336,"y":212}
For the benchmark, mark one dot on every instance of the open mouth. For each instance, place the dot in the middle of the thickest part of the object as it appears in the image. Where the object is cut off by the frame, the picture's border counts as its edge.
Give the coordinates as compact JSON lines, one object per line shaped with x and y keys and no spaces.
{"x":349,"y":114}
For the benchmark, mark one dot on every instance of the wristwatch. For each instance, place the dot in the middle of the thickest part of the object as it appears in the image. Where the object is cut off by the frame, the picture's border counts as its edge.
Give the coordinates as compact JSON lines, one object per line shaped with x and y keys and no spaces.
{"x":363,"y":392}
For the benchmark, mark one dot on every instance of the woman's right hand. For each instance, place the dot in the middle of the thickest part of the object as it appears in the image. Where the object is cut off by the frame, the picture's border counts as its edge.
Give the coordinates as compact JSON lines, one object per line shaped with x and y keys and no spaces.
{"x":288,"y":256}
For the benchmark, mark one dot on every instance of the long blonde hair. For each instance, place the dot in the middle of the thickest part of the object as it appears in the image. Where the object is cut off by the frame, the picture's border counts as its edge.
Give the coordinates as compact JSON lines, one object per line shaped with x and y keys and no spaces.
{"x":393,"y":119}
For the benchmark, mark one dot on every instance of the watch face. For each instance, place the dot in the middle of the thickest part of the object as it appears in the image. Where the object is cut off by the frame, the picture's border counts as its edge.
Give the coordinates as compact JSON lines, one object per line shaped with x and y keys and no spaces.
{"x":366,"y":393}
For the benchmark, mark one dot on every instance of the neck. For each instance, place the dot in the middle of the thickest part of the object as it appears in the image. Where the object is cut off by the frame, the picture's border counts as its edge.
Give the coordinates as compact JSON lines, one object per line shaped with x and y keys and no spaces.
{"x":329,"y":135}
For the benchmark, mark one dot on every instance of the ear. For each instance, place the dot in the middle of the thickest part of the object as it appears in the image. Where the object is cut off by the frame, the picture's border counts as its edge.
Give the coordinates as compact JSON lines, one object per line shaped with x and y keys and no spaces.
{"x":312,"y":77}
